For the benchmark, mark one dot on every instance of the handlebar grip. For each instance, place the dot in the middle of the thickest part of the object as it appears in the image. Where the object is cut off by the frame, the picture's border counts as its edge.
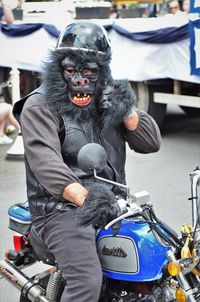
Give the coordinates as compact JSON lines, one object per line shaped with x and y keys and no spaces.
{"x":129,"y":213}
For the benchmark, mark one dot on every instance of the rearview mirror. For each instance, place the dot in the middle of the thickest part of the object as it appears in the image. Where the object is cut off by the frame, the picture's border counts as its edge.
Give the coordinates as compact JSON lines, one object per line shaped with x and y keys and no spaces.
{"x":92,"y":157}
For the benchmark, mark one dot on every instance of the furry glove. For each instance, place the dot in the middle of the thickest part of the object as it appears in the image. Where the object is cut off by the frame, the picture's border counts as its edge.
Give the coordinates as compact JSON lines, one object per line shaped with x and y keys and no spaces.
{"x":116,"y":101}
{"x":99,"y":208}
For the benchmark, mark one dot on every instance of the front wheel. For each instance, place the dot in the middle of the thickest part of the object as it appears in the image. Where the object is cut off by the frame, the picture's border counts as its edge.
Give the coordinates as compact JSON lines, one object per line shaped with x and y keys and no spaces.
{"x":191,"y":111}
{"x":29,"y":81}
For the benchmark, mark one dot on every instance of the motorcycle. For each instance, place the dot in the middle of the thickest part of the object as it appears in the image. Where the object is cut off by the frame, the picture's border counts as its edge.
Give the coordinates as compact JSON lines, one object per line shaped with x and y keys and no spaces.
{"x":142,"y":259}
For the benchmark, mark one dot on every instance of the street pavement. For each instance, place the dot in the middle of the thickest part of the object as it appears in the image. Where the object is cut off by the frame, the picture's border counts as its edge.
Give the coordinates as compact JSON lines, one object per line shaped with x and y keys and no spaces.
{"x":165,"y":175}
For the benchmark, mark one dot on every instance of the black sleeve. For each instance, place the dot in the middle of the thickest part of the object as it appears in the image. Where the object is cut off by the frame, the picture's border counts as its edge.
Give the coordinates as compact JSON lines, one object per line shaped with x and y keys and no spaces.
{"x":40,"y":130}
{"x":146,"y":138}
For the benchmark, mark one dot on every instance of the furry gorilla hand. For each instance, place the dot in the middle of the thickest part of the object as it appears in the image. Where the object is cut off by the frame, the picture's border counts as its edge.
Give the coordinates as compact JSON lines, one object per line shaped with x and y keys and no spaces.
{"x":99,"y":208}
{"x":116,"y":100}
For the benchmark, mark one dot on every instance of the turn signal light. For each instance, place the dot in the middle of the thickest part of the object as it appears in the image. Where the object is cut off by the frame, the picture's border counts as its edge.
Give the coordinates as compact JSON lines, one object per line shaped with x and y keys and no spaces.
{"x":7,"y":254}
{"x":11,"y":255}
{"x":174,"y":268}
{"x":180,"y":295}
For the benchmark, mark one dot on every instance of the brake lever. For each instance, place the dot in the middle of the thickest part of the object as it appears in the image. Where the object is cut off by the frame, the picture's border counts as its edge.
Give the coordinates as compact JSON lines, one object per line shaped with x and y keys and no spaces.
{"x":129,"y":213}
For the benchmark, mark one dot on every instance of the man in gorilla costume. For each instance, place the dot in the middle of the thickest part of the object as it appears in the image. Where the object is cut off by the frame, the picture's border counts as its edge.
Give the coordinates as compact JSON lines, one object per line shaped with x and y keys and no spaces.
{"x":79,"y":103}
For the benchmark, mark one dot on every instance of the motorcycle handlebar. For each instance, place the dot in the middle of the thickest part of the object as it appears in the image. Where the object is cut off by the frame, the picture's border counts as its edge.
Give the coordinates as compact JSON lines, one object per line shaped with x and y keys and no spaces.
{"x":129,"y":213}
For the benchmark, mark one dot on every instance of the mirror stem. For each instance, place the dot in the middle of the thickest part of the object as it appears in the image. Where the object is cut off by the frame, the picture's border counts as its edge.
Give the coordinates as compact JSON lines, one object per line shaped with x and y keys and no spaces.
{"x":110,"y":181}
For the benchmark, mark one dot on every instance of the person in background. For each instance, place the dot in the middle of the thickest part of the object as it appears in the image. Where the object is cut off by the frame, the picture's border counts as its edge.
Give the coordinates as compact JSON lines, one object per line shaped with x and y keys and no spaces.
{"x":114,"y":12}
{"x":6,"y":119}
{"x":186,"y":6}
{"x":151,"y":10}
{"x":79,"y":103}
{"x":174,"y":7}
{"x":6,"y":13}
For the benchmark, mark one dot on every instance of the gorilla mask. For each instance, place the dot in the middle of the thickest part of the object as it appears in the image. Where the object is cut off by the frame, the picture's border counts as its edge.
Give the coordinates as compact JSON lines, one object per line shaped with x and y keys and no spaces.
{"x":81,"y":78}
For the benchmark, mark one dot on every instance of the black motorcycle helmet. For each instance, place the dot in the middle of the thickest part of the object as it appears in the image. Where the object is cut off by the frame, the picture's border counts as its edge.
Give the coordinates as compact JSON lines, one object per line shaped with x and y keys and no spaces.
{"x":85,"y":35}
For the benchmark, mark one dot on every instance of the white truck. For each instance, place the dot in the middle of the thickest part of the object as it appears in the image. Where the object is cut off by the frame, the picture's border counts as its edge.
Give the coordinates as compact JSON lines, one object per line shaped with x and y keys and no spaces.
{"x":154,"y":95}
{"x":178,"y":82}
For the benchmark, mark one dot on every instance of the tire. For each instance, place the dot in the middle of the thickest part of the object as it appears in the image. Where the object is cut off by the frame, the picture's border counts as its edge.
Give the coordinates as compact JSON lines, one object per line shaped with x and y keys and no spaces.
{"x":191,"y":111}
{"x":28,"y":82}
{"x":145,"y":95}
{"x":190,"y":89}
{"x":4,"y":76}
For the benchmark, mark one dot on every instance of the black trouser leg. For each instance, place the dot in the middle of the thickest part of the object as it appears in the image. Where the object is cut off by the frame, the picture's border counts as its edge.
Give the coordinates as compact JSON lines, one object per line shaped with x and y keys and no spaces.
{"x":75,"y":251}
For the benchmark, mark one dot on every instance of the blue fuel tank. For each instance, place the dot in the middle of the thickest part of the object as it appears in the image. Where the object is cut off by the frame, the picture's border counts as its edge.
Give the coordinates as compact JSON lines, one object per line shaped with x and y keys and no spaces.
{"x":135,"y":254}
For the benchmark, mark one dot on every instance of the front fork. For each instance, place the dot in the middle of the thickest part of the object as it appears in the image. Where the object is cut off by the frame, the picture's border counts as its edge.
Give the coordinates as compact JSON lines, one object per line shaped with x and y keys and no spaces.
{"x":182,"y":280}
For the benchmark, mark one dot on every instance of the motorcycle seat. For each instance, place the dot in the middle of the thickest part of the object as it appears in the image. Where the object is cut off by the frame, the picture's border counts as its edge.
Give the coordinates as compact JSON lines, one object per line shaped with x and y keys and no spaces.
{"x":41,"y":250}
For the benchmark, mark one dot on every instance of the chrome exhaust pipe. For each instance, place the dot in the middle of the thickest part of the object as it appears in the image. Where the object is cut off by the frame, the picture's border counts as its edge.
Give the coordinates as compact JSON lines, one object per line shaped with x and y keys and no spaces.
{"x":22,"y":282}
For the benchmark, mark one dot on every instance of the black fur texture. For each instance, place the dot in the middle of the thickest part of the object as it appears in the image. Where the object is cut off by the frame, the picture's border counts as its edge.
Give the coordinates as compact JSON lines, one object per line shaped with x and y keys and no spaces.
{"x":112,"y":99}
{"x":99,"y":208}
{"x":115,"y":102}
